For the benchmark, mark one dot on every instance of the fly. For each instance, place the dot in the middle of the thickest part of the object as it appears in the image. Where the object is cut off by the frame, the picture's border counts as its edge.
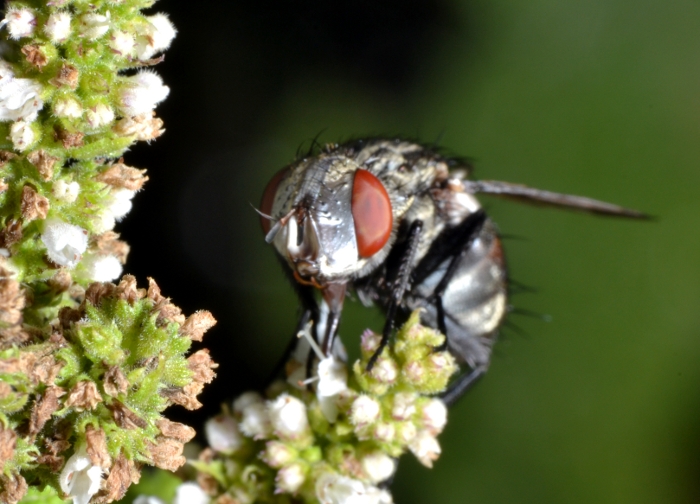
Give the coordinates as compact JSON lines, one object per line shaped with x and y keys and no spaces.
{"x":389,"y":219}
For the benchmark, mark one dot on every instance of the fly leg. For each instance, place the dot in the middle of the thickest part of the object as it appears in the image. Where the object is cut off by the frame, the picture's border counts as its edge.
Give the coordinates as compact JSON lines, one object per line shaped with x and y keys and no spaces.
{"x":456,"y":249}
{"x":399,"y":287}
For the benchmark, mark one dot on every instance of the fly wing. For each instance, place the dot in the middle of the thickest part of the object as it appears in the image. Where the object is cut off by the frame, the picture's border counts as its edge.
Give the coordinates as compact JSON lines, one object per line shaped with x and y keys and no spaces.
{"x":532,"y":195}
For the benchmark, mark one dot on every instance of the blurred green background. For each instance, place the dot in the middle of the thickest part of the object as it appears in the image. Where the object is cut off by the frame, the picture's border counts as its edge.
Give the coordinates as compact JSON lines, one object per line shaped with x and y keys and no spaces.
{"x":598,"y":98}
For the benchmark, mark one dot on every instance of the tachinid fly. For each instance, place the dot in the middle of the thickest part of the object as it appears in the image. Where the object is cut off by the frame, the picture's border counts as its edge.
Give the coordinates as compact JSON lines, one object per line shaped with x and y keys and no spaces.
{"x":390,"y":220}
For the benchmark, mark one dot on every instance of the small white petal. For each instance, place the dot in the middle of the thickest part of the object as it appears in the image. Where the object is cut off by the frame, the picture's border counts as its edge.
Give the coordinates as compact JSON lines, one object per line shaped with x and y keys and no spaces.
{"x":20,"y":23}
{"x":404,"y":405}
{"x":67,"y":192}
{"x":155,"y":37}
{"x":378,"y":466}
{"x":222,"y":434}
{"x":99,"y":115}
{"x":288,"y":416}
{"x":141,"y":93}
{"x":364,"y":410}
{"x":332,"y":488}
{"x":64,"y":242}
{"x":80,"y":479}
{"x":190,"y":493}
{"x":102,"y":268}
{"x":246,"y":399}
{"x":22,"y":135}
{"x":119,"y":202}
{"x":19,"y":98}
{"x":435,"y":415}
{"x":255,"y":421}
{"x":290,"y":478}
{"x":67,"y":107}
{"x":93,"y":25}
{"x":57,"y":28}
{"x":122,"y":43}
{"x":425,"y":447}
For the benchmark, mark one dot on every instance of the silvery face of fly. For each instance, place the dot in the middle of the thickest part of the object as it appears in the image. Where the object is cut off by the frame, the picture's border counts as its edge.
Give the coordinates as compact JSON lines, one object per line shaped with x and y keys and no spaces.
{"x":387,"y":218}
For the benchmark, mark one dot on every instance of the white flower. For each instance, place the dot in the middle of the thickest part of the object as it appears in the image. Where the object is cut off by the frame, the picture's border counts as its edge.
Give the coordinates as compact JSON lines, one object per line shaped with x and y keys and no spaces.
{"x":102,"y":268}
{"x":57,"y":28}
{"x":80,"y":479}
{"x":67,"y":192}
{"x":122,"y":43}
{"x":425,"y":447}
{"x":64,"y":242}
{"x":155,"y":37}
{"x":385,"y":432}
{"x":99,"y":115}
{"x":288,"y":417}
{"x":404,"y":405}
{"x":222,"y":433}
{"x":103,"y":221}
{"x":119,"y":202}
{"x":435,"y":415}
{"x":255,"y":421}
{"x":332,"y":488}
{"x":22,"y":135}
{"x":385,"y":370}
{"x":406,"y":432}
{"x":94,"y":25}
{"x":290,"y":478}
{"x":20,"y":22}
{"x":19,"y":98}
{"x":141,"y":93}
{"x":333,"y":379}
{"x":246,"y":399}
{"x":67,"y":107}
{"x":364,"y":410}
{"x":277,"y":454}
{"x":190,"y":493}
{"x":378,"y":466}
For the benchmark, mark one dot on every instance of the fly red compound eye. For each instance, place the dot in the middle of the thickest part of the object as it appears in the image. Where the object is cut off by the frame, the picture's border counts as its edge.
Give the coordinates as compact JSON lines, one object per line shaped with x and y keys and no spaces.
{"x":371,"y":212}
{"x":268,"y":198}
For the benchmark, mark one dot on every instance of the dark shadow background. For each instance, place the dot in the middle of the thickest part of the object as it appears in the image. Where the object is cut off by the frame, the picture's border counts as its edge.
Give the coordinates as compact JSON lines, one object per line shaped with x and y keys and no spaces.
{"x":596,"y":98}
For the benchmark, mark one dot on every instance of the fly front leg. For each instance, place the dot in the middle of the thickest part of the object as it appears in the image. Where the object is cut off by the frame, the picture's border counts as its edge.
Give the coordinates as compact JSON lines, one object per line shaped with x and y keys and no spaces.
{"x":400,"y":284}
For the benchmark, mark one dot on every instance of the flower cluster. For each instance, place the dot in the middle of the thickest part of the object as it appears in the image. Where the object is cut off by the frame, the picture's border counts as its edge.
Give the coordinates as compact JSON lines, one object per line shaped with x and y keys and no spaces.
{"x":92,"y":393}
{"x":86,"y":366}
{"x":288,"y":444}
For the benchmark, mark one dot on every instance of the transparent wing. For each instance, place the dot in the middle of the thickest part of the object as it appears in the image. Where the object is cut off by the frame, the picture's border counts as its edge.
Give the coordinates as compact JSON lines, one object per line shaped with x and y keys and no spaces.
{"x":532,"y":195}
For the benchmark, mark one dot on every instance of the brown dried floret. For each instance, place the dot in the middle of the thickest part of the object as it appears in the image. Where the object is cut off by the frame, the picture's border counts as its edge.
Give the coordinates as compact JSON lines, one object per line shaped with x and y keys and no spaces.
{"x":166,"y":453}
{"x":143,"y":127}
{"x":61,"y":281}
{"x":8,"y":441}
{"x":6,"y":157}
{"x":202,"y":365}
{"x":13,"y":488}
{"x":97,"y":290}
{"x":115,"y":382}
{"x":53,"y":462}
{"x":33,"y":205}
{"x":12,"y":300}
{"x":122,"y":474}
{"x":56,"y":445}
{"x":175,"y":430}
{"x":43,"y":408}
{"x":197,"y":324}
{"x":97,"y":447}
{"x":35,"y":56}
{"x":67,"y":76}
{"x":83,"y":396}
{"x":121,"y":175}
{"x":124,"y":417}
{"x":3,"y":184}
{"x":67,"y":316}
{"x":44,"y":163}
{"x":108,"y":244}
{"x":226,"y":499}
{"x":11,"y":233}
{"x":67,"y":138}
{"x":128,"y":291}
